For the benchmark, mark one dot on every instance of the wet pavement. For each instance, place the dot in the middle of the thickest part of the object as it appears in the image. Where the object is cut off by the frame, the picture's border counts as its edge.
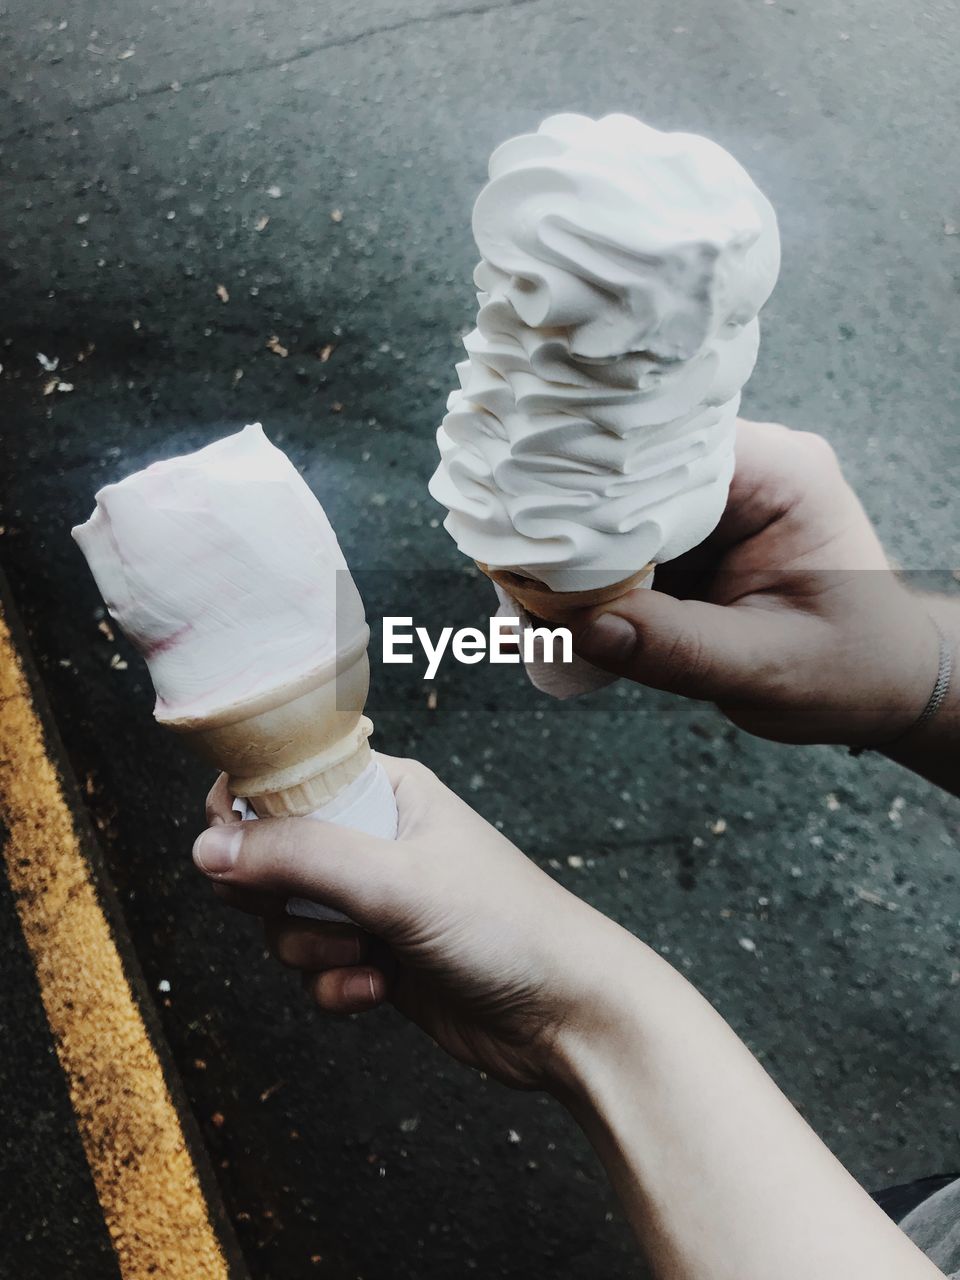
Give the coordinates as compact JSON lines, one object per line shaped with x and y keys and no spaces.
{"x":186,"y":185}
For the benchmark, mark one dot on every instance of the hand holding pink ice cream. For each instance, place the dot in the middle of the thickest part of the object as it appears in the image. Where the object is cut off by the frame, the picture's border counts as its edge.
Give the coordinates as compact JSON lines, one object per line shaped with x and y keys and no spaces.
{"x":222,"y":569}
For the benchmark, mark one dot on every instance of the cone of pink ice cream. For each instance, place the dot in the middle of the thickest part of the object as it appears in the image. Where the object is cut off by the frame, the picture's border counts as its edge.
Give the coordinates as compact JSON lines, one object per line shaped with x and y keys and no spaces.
{"x":223,"y":570}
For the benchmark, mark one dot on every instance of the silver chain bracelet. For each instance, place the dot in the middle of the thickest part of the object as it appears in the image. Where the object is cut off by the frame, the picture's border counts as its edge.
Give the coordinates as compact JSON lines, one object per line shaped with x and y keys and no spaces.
{"x":937,"y":697}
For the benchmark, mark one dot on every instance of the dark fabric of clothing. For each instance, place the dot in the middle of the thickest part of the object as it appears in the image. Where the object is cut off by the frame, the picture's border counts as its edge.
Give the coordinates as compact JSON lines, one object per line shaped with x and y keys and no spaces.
{"x":897,"y":1202}
{"x":934,"y":1225}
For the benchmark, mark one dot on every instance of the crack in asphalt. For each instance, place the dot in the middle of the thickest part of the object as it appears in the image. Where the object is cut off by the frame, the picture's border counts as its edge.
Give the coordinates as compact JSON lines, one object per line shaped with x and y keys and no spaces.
{"x":269,"y":64}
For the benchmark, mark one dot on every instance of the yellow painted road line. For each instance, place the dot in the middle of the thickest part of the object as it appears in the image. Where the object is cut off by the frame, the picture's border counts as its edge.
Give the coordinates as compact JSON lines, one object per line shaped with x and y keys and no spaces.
{"x":144,"y":1175}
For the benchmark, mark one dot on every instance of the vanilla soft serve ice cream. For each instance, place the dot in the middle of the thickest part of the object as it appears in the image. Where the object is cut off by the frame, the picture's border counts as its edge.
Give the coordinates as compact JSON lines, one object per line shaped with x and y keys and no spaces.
{"x":223,"y":570}
{"x":621,"y":274}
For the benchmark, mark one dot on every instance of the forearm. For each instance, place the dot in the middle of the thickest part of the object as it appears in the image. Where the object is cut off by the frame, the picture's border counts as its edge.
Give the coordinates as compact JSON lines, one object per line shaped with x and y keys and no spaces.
{"x":720,"y":1177}
{"x":933,"y":749}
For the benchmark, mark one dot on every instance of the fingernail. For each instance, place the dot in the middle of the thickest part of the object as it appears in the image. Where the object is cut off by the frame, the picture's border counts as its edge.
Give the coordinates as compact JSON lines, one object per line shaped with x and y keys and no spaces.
{"x":609,"y":639}
{"x":358,"y":988}
{"x":216,"y":850}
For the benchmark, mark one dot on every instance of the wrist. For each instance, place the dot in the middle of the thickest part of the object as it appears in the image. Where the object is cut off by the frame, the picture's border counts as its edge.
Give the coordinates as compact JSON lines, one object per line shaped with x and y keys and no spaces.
{"x":902,"y":666}
{"x":927,"y":683}
{"x":621,"y":1010}
{"x":929,"y":746}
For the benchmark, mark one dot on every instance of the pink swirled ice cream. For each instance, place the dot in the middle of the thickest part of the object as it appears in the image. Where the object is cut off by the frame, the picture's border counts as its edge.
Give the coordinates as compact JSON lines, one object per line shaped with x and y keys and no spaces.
{"x":621,"y":275}
{"x":223,"y":570}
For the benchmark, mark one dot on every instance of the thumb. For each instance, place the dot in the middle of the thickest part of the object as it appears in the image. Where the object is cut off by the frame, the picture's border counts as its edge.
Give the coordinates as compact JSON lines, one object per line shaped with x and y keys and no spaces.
{"x":358,"y":874}
{"x":689,"y":647}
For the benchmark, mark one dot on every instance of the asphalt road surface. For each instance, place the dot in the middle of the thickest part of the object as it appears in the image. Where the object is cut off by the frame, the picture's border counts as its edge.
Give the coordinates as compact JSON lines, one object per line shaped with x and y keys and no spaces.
{"x":185,"y":183}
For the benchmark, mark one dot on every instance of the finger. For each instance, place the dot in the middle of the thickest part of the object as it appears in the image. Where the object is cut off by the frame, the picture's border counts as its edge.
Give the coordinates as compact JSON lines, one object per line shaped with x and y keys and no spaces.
{"x":412,"y":775}
{"x":358,"y":874}
{"x":347,"y":990}
{"x":688,"y":647}
{"x":421,"y":797}
{"x":250,"y":901}
{"x":219,"y":805}
{"x":764,"y":483}
{"x":777,"y":469}
{"x":302,"y":944}
{"x":787,"y":478}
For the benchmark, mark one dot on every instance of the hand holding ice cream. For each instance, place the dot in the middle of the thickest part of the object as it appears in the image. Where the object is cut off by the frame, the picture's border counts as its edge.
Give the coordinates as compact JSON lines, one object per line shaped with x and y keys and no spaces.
{"x":790,"y":618}
{"x":223,"y":570}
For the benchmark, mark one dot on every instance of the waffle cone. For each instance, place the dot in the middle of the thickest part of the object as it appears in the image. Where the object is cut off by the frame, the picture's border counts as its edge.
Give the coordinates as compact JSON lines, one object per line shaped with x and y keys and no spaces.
{"x":291,"y":749}
{"x":556,"y":606}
